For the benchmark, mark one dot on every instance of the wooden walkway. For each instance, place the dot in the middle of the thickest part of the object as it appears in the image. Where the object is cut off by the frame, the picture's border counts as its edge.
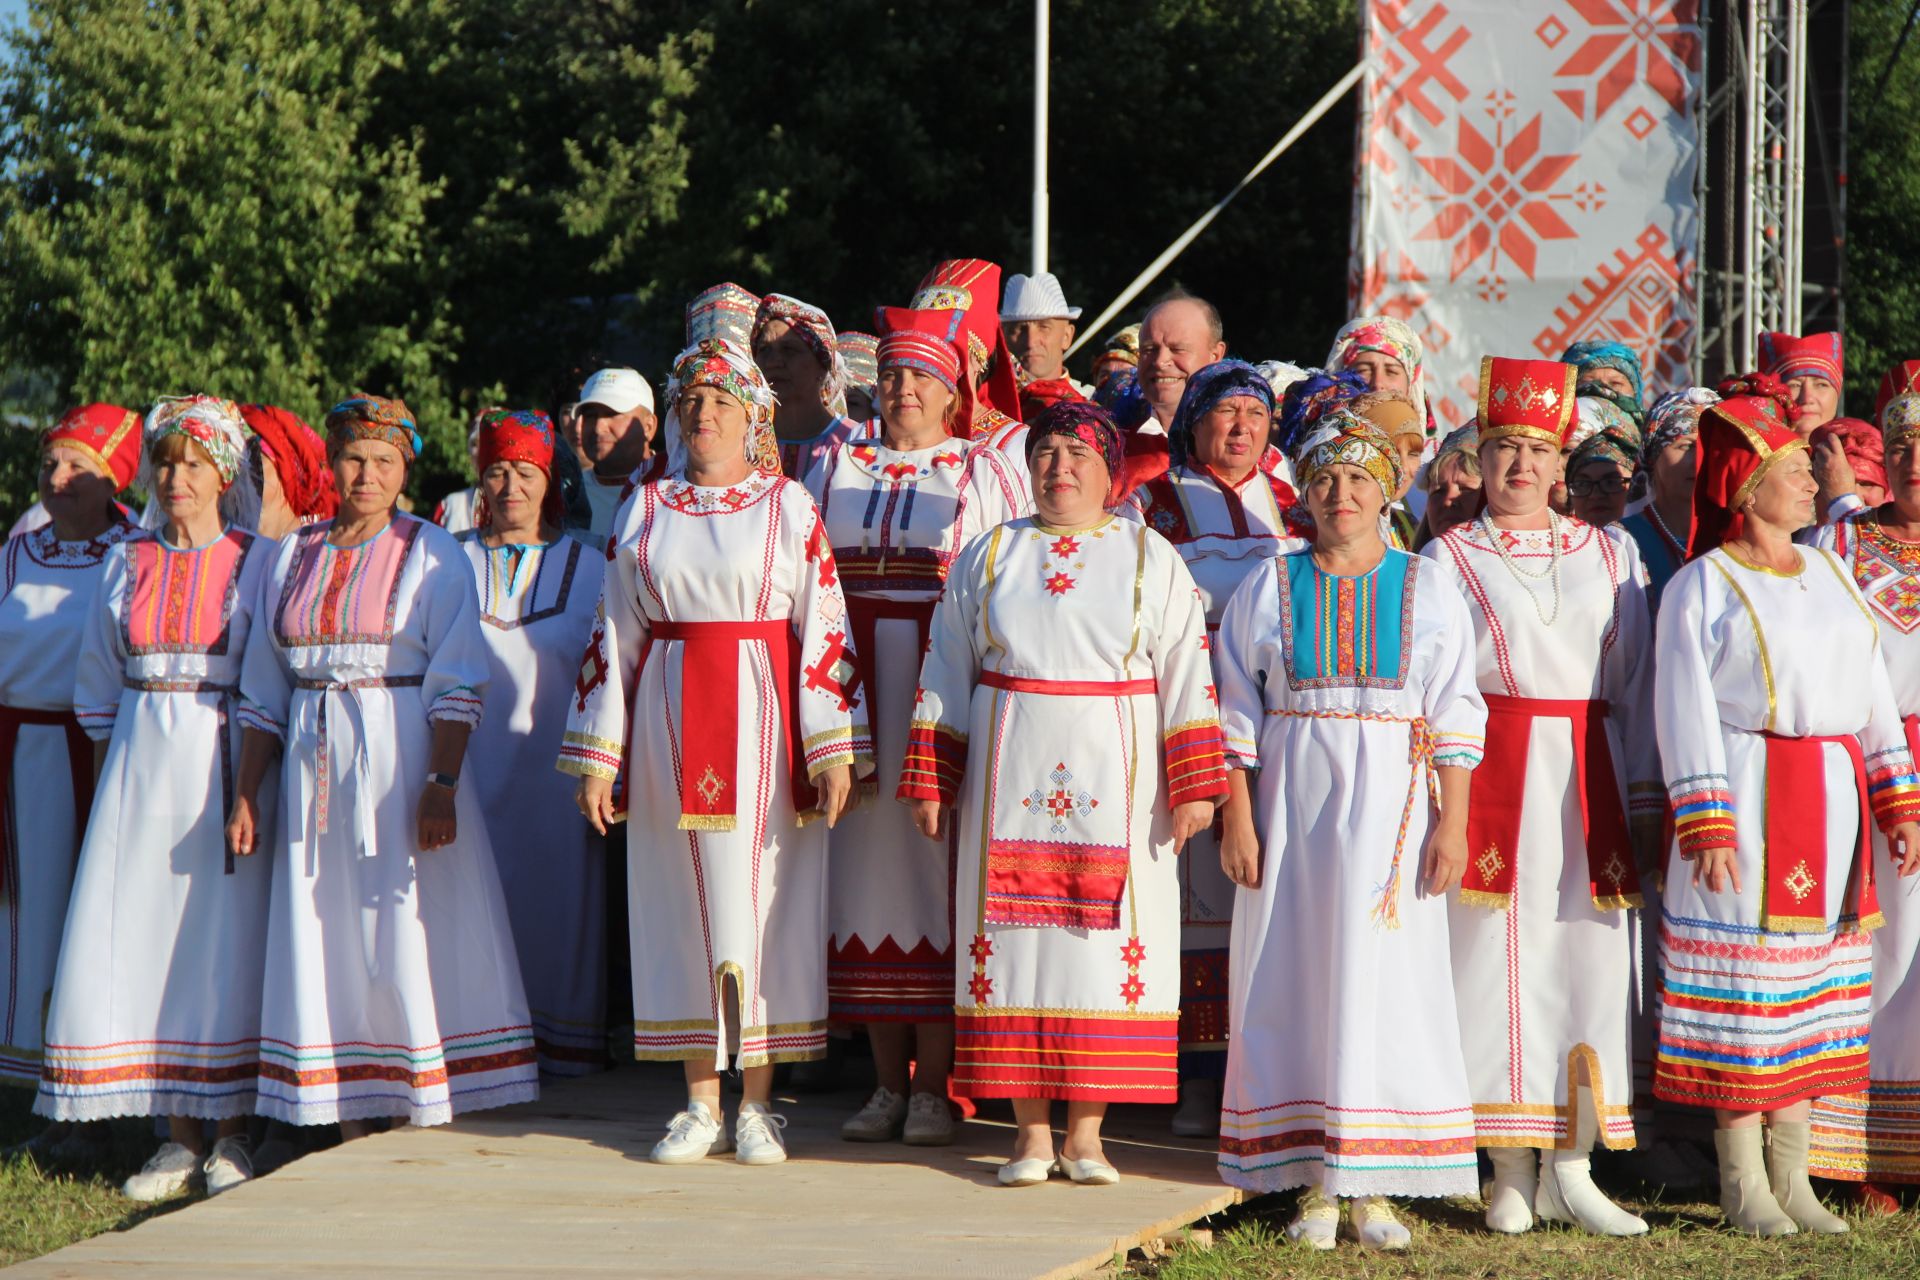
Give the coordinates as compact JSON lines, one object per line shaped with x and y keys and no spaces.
{"x":563,"y":1187}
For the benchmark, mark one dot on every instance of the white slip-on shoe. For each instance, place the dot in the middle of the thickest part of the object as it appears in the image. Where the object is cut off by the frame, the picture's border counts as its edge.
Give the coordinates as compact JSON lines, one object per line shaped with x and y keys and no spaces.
{"x":756,"y":1135}
{"x":229,"y":1164}
{"x":167,"y":1173}
{"x":929,"y":1121}
{"x":1025,"y":1173}
{"x":1316,"y":1223}
{"x":693,"y":1134}
{"x":879,"y":1120}
{"x":1088,"y":1173}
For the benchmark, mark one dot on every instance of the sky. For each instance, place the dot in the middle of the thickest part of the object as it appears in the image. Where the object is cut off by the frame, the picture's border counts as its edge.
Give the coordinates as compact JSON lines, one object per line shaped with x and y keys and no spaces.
{"x":12,"y":10}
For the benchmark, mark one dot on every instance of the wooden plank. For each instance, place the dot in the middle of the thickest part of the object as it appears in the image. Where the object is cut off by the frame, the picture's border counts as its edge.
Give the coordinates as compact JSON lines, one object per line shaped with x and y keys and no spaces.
{"x":563,"y":1186}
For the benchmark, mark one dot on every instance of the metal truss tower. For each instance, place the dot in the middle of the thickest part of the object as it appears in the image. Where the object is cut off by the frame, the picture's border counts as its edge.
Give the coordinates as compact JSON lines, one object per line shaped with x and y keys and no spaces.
{"x":1771,"y":181}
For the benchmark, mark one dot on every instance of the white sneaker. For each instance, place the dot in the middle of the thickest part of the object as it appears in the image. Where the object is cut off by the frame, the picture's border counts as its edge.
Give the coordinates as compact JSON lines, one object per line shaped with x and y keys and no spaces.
{"x":756,"y":1135}
{"x":879,"y":1120}
{"x":692,"y":1135}
{"x":230,"y":1164}
{"x":1316,"y":1223}
{"x":929,"y":1121}
{"x":167,"y":1174}
{"x":1376,"y":1227}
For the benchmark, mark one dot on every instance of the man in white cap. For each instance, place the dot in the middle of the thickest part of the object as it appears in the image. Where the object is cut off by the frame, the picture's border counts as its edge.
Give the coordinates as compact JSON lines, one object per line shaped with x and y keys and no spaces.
{"x":616,"y":435}
{"x":1039,"y":326}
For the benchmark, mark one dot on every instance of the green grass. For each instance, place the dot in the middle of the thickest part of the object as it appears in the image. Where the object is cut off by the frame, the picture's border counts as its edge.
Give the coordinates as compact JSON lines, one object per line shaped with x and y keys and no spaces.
{"x":1687,"y":1242}
{"x":41,"y":1211}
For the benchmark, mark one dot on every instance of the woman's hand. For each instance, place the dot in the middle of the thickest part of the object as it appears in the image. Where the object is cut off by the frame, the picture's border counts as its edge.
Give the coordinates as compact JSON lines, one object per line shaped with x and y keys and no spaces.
{"x":835,"y":785}
{"x":1833,"y":472}
{"x":1716,"y":868}
{"x":595,"y":798}
{"x":1446,"y":857}
{"x":437,"y":824}
{"x":242,"y":826}
{"x":1189,"y":820}
{"x":1240,"y":850}
{"x":930,"y":818}
{"x":1903,"y":842}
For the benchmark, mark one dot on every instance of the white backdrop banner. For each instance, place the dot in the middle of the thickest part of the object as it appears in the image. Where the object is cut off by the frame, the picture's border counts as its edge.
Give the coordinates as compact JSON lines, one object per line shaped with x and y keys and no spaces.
{"x":1525,"y":174}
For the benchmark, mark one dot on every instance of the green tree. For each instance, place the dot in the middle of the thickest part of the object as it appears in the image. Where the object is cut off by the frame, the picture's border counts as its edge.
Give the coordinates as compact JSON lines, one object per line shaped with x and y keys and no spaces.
{"x":1883,"y":200}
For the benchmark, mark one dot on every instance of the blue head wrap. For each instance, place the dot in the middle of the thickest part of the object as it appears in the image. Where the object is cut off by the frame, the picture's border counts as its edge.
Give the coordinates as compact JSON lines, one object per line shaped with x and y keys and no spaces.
{"x":1608,"y":355}
{"x":1206,"y":388}
{"x":1309,"y":399}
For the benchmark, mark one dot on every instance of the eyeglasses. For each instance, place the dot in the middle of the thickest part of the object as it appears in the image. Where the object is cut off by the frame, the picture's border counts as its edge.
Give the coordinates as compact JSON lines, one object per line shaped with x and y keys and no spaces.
{"x":1587,"y":486}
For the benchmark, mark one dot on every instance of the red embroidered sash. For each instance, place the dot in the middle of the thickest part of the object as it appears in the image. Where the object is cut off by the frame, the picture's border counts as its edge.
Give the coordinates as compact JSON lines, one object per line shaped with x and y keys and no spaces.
{"x":710,"y":714}
{"x":865,"y":612}
{"x":1796,"y":834}
{"x":79,"y":764}
{"x":1495,"y":801}
{"x":1056,"y":883}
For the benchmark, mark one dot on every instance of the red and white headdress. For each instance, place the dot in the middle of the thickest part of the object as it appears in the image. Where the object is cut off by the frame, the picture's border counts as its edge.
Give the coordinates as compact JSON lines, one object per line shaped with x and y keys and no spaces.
{"x":1532,"y":398}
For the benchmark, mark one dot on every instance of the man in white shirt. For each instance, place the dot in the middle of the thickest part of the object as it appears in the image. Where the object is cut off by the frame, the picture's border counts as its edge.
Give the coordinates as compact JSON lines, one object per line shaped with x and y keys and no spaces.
{"x":1181,"y":335}
{"x":616,"y":435}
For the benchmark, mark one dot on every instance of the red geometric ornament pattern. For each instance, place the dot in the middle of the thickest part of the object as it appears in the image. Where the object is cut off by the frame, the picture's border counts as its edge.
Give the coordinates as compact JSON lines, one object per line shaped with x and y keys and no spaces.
{"x":1643,"y":298}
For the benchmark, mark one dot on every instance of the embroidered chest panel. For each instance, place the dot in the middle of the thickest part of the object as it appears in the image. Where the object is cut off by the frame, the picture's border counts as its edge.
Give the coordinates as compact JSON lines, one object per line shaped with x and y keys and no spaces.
{"x":182,"y":601}
{"x":520,"y":586}
{"x":1887,"y":571}
{"x":705,"y":500}
{"x":1340,"y":632}
{"x":896,"y":517}
{"x":344,"y":595}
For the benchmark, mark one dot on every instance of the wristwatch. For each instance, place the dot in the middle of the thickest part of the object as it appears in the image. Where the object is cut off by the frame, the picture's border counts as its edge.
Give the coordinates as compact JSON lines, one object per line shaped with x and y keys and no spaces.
{"x":447,"y":780}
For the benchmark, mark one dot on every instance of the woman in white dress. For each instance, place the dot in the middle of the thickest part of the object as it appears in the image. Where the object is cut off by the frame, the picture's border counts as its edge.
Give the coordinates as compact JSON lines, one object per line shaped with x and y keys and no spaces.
{"x":1068,"y":711}
{"x":719,"y":686}
{"x":391,"y":984}
{"x":898,"y":507}
{"x":537,"y":590}
{"x":1226,"y":505}
{"x":165,"y":1021}
{"x":1541,"y":943}
{"x":1782,"y":747}
{"x":47,"y":584}
{"x":1873,"y":1137}
{"x":1347,"y":681}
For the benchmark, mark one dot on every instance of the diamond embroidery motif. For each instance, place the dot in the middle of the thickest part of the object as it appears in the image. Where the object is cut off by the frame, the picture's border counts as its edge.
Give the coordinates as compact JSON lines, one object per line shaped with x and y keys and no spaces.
{"x":710,"y":786}
{"x":1062,"y":802}
{"x":1489,"y":863}
{"x":1899,"y":600}
{"x":1800,"y":882}
{"x":1615,"y":871}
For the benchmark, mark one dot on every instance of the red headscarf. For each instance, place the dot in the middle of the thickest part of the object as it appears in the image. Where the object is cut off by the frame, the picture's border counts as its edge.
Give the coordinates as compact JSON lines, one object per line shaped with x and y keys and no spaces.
{"x":1043,"y":393}
{"x":973,"y":286}
{"x":519,"y":435}
{"x":107,"y":434}
{"x":1741,"y":439}
{"x":1864,"y":447}
{"x":299,"y":459}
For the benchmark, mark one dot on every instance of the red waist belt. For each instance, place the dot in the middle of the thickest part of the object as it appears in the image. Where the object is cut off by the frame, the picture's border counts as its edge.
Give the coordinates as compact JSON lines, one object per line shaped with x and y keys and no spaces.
{"x":1068,"y":688}
{"x":865,"y":612}
{"x":1796,"y":822}
{"x":79,"y":764}
{"x":1495,"y":801}
{"x":710,"y":714}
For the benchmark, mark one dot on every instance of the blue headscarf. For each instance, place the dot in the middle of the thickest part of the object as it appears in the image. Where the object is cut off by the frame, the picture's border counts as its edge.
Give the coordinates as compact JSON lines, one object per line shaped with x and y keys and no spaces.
{"x":1206,"y":388}
{"x":1608,"y":355}
{"x":1309,"y":399}
{"x":1121,"y":396}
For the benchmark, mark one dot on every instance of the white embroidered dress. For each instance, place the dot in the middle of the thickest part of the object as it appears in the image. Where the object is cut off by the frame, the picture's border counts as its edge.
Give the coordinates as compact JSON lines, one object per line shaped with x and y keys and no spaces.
{"x":896,"y":520}
{"x":725,"y":881}
{"x":156,"y":1006}
{"x":536,"y":613}
{"x":46,"y":605}
{"x":1345,"y":1069}
{"x":1224,"y":533}
{"x":391,"y":988}
{"x":1066,"y":705}
{"x":1545,"y":984}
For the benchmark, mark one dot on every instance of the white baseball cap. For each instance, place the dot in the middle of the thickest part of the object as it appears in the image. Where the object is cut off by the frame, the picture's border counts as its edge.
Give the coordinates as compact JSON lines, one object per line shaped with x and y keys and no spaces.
{"x":618,"y":391}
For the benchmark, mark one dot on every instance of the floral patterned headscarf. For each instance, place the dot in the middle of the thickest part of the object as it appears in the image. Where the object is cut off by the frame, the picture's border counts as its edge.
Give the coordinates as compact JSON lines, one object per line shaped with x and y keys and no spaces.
{"x":1389,"y":337}
{"x":1084,"y":421}
{"x":1344,"y":436}
{"x":724,"y":365}
{"x":1221,"y":380}
{"x":365,"y":417}
{"x":1674,"y":416}
{"x":210,"y":422}
{"x":816,"y":330}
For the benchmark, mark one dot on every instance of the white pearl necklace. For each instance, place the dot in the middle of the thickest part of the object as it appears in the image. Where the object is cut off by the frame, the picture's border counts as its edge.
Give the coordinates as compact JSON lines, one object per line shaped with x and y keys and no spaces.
{"x":1524,"y":577}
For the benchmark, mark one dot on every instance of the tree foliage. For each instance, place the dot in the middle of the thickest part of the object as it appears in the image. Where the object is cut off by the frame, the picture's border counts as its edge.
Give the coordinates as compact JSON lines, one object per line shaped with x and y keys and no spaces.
{"x":1883,"y":199}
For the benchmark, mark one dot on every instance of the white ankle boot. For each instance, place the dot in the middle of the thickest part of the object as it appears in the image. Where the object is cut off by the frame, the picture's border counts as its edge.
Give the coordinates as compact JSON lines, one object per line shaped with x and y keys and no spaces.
{"x":1510,"y":1198}
{"x":1567,"y":1193}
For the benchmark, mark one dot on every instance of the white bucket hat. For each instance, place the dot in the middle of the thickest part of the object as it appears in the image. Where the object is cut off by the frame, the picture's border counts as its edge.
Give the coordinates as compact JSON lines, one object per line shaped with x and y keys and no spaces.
{"x":1036,"y":297}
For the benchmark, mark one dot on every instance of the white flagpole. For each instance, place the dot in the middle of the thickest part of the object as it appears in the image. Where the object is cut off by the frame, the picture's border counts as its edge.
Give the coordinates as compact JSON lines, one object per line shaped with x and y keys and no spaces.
{"x":1040,"y":24}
